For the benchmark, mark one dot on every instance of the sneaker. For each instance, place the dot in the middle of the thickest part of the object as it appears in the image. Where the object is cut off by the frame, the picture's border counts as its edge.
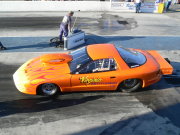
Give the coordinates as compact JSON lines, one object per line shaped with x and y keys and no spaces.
{"x":2,"y":47}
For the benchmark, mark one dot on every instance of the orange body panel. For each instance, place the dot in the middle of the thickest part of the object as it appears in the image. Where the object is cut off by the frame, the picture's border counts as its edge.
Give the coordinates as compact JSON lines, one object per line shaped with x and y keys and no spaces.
{"x":34,"y":72}
{"x":54,"y":68}
{"x":105,"y":51}
{"x":56,"y":58}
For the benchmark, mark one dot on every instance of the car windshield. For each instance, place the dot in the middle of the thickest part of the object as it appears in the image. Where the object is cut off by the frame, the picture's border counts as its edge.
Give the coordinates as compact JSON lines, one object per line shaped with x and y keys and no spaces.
{"x":80,"y":57}
{"x":131,"y":57}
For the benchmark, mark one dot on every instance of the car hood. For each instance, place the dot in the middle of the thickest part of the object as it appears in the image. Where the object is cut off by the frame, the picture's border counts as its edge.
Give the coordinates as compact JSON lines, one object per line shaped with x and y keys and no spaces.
{"x":46,"y":67}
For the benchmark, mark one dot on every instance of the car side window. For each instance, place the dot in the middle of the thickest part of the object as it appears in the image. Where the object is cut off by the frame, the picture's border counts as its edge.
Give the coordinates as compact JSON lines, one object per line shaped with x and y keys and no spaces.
{"x":100,"y":65}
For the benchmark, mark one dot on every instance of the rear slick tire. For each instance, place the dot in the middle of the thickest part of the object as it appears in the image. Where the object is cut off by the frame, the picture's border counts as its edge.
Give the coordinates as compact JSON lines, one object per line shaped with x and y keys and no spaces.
{"x":130,"y":85}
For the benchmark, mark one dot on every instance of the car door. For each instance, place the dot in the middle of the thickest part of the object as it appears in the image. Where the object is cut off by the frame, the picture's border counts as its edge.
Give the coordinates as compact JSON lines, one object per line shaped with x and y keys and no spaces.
{"x":96,"y":75}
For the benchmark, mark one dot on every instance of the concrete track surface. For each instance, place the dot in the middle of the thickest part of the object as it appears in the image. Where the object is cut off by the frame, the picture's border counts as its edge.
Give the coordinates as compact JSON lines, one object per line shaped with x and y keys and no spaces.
{"x":154,"y":110}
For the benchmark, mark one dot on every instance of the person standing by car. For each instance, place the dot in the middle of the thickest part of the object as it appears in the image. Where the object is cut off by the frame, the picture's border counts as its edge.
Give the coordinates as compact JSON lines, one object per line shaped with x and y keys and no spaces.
{"x":138,"y":5}
{"x":65,"y":26}
{"x":168,"y":4}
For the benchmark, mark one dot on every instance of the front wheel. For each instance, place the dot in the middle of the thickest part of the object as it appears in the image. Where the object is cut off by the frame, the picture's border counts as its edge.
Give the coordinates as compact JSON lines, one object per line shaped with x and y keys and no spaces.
{"x":130,"y":85}
{"x":49,"y":89}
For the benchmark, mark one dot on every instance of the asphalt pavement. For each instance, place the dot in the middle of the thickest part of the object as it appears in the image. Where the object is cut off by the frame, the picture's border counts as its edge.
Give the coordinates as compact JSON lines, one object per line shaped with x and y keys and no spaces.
{"x":150,"y":111}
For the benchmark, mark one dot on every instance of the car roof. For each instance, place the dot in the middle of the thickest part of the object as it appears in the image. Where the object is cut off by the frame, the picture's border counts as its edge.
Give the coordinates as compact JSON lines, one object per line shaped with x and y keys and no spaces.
{"x":100,"y":51}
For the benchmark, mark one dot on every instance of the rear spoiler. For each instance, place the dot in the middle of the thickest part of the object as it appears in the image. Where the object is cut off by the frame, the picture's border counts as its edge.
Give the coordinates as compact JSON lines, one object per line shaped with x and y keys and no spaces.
{"x":165,"y":66}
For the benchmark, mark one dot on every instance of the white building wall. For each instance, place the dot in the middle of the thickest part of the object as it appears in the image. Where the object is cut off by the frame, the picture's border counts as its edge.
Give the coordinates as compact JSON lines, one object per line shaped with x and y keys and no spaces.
{"x":54,"y":6}
{"x":12,"y":6}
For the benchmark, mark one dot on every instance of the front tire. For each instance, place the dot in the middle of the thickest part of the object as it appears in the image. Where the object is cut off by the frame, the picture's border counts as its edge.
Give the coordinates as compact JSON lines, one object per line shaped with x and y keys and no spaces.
{"x":130,"y":85}
{"x":49,"y":89}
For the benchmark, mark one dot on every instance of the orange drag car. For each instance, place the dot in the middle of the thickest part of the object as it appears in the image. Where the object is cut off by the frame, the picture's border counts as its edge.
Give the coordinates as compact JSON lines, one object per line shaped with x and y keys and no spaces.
{"x":94,"y":67}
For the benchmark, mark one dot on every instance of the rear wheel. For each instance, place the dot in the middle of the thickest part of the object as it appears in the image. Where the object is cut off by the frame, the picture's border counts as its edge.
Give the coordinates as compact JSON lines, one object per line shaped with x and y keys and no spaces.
{"x":130,"y":85}
{"x":49,"y":89}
